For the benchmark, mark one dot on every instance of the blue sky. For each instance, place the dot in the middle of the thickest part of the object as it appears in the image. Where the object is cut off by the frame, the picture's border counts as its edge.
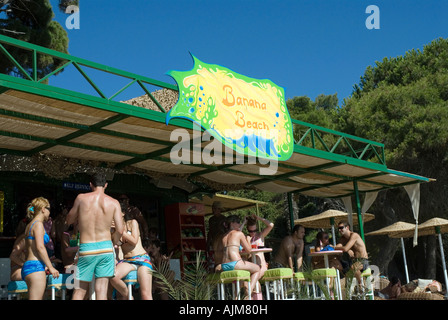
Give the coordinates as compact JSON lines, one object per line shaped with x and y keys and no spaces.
{"x":308,"y":47}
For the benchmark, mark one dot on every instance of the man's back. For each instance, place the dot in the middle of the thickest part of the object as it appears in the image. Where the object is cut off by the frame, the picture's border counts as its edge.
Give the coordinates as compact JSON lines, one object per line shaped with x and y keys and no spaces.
{"x":284,"y":251}
{"x":94,"y":212}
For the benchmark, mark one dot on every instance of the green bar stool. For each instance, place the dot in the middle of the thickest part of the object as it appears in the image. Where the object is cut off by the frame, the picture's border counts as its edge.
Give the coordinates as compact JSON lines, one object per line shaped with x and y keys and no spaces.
{"x":326,"y":274}
{"x":276,"y":276}
{"x":302,"y":282}
{"x":213,"y":279}
{"x":366,"y":277}
{"x":234,"y":277}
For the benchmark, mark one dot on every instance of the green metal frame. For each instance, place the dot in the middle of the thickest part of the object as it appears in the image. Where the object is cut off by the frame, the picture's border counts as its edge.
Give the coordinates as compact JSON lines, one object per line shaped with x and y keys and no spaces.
{"x":337,"y":147}
{"x":365,"y":150}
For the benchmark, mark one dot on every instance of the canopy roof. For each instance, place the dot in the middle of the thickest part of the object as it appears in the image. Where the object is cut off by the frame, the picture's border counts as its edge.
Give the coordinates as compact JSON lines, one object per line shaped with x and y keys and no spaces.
{"x":228,"y":203}
{"x":36,"y":118}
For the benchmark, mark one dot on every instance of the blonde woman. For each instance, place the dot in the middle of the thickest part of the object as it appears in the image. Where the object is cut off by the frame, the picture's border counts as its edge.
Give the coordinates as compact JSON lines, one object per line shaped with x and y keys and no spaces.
{"x":33,"y":270}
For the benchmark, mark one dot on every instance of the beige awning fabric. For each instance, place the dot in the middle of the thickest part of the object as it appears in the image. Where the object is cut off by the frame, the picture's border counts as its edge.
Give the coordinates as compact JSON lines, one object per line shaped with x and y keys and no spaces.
{"x":323,"y":220}
{"x":228,"y":203}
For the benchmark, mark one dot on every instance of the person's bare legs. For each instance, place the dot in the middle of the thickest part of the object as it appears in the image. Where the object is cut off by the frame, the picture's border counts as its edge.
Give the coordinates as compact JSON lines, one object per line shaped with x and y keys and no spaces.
{"x":80,"y":292}
{"x":145,"y":281}
{"x":254,"y":270}
{"x":357,"y":267}
{"x":37,"y":283}
{"x":121,"y":271}
{"x":101,"y":285}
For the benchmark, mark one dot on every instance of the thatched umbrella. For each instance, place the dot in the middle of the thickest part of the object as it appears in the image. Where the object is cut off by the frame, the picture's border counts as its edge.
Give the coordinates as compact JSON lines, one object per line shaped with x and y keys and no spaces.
{"x":330,"y":218}
{"x":435,"y":226}
{"x":392,"y":231}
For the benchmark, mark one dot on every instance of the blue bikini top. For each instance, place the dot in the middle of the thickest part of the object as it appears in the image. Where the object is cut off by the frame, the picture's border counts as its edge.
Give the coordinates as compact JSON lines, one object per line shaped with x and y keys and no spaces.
{"x":46,"y":236}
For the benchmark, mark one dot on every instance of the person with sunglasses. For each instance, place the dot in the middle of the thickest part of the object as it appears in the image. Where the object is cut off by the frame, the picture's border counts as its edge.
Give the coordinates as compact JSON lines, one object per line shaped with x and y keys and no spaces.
{"x":352,"y":243}
{"x":323,"y":243}
{"x":256,"y":238}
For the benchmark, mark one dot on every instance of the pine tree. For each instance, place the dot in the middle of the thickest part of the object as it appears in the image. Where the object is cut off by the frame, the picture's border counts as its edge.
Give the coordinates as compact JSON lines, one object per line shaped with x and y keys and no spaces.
{"x":32,"y":21}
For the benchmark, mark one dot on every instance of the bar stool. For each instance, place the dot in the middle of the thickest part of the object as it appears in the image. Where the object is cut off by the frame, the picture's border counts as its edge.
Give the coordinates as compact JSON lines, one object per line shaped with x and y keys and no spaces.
{"x":302,"y":282}
{"x":131,"y":279}
{"x":277,"y":276}
{"x":58,"y":284}
{"x":326,"y":274}
{"x":213,"y":279}
{"x":234,"y":277}
{"x":367,"y":275}
{"x":16,"y":288}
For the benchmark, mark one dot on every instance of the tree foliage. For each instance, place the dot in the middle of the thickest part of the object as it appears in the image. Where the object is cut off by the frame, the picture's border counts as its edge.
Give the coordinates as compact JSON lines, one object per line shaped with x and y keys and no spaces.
{"x":403,"y":103}
{"x":32,"y":21}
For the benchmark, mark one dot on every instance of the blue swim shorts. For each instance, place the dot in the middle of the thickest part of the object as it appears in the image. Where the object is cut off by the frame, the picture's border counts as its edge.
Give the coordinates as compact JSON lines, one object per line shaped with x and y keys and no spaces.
{"x":95,"y":259}
{"x":31,"y":266}
{"x":141,"y":260}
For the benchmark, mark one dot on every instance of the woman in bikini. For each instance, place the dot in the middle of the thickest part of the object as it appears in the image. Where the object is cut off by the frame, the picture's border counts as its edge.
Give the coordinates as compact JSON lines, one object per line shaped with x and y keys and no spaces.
{"x":33,"y":270}
{"x":135,"y":258}
{"x":257,"y":238}
{"x":232,"y":242}
{"x":323,"y":243}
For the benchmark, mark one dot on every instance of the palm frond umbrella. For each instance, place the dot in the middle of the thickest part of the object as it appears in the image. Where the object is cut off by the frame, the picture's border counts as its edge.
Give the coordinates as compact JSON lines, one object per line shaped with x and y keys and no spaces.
{"x":392,"y":231}
{"x":330,"y":218}
{"x":432,"y":226}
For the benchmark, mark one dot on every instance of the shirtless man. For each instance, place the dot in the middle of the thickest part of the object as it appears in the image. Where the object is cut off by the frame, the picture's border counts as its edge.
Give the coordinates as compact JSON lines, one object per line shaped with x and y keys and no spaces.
{"x":94,"y":213}
{"x":291,"y":246}
{"x":353,"y":244}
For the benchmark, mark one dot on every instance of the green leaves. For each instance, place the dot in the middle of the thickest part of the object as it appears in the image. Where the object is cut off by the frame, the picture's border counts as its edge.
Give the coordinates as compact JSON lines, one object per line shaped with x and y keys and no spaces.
{"x":32,"y":21}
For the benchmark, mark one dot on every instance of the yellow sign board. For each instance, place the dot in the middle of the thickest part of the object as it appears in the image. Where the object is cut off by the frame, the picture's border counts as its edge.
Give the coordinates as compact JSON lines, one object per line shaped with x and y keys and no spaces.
{"x":246,"y":113}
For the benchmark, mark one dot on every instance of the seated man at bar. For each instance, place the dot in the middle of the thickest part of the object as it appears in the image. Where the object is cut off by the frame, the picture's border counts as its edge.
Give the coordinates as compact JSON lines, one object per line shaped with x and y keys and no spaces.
{"x":290,"y":248}
{"x":352,"y":243}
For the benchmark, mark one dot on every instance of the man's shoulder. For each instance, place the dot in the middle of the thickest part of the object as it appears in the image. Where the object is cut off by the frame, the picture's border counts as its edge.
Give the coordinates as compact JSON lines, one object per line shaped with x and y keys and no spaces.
{"x":83,"y":196}
{"x":287,"y":241}
{"x":111,"y":199}
{"x":355,"y":235}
